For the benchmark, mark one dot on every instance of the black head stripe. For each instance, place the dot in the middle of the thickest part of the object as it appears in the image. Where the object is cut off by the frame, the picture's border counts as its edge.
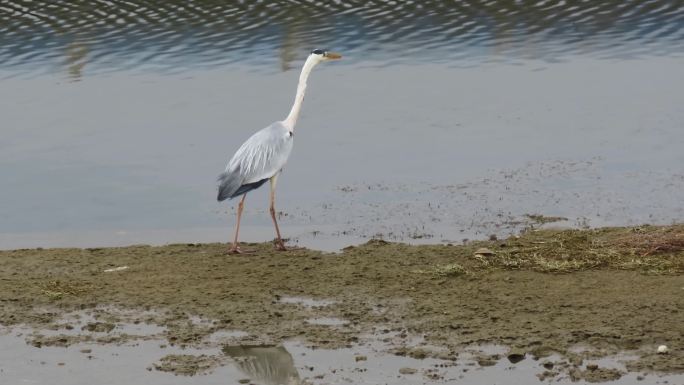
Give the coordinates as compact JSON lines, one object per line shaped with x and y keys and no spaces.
{"x":318,"y":52}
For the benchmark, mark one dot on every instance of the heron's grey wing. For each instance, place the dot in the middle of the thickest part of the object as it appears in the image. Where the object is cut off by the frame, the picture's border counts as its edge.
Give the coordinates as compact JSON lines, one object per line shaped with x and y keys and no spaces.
{"x":229,"y":184}
{"x":259,"y":158}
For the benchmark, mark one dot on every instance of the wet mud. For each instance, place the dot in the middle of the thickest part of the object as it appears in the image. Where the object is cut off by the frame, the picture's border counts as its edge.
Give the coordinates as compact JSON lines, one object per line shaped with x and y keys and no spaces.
{"x":563,"y":300}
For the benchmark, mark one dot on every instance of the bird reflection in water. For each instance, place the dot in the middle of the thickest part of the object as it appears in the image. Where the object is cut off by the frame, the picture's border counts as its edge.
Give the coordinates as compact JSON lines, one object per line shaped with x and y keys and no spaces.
{"x":267,"y":364}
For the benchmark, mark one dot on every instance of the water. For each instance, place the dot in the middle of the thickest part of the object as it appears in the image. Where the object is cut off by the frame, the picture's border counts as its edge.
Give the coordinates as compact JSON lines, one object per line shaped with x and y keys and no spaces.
{"x":444,"y":120}
{"x":180,"y":36}
{"x":289,"y":364}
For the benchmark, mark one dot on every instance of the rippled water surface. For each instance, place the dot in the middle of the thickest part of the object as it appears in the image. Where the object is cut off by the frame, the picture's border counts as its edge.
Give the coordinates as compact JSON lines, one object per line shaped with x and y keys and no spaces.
{"x":444,"y":121}
{"x":186,"y":35}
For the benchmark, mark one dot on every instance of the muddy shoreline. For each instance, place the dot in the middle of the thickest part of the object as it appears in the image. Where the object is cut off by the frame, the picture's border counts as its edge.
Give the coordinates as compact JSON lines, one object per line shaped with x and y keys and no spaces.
{"x":579,"y":294}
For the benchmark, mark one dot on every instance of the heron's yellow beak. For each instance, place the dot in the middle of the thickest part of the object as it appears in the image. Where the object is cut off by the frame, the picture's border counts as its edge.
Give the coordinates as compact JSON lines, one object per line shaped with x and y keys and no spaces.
{"x":333,"y":55}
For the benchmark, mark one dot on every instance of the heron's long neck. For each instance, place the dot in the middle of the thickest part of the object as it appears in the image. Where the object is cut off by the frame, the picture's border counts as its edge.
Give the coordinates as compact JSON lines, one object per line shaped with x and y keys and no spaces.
{"x":291,"y":119}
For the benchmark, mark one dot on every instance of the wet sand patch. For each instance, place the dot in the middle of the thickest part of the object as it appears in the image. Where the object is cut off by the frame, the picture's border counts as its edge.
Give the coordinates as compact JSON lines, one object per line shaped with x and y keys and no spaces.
{"x":543,"y":293}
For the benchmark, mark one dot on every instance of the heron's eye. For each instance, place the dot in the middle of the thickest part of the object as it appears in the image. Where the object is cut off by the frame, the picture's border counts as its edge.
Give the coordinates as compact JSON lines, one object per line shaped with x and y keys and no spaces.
{"x":318,"y":52}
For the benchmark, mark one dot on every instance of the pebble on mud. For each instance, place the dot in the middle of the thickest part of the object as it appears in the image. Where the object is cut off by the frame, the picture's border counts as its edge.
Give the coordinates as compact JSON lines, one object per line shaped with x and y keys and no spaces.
{"x":516,"y":355}
{"x":360,"y":358}
{"x":662,"y":349}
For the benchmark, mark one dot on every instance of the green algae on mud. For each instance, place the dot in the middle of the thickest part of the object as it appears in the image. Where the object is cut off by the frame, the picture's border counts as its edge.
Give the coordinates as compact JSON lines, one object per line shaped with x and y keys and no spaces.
{"x":549,"y":291}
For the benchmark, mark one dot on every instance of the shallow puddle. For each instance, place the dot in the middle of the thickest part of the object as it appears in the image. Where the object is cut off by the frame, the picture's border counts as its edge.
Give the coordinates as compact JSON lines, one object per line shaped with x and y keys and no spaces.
{"x":86,"y":363}
{"x":155,"y":362}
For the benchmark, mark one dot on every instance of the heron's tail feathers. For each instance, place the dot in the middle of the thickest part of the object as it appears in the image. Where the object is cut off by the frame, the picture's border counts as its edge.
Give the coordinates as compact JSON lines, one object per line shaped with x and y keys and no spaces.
{"x":229,"y":183}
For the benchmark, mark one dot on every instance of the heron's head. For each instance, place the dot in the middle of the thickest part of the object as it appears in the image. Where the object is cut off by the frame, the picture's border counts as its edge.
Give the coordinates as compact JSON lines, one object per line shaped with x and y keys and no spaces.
{"x":322,"y":55}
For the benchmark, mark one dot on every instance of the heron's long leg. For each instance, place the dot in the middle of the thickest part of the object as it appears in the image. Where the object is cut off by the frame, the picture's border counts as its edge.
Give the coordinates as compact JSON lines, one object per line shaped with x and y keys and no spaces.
{"x":280,"y":245}
{"x":241,"y":205}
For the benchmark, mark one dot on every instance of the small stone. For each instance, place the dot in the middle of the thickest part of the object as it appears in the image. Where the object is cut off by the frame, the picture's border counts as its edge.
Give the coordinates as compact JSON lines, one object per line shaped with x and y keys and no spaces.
{"x":407,"y":371}
{"x":86,"y":351}
{"x":662,"y":349}
{"x":592,"y":366}
{"x":548,"y":365}
{"x":244,"y":381}
{"x":360,"y":358}
{"x":516,"y":355}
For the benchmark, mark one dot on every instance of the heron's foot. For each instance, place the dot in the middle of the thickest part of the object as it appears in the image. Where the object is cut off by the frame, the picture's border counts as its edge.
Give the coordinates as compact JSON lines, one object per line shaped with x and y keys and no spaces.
{"x":235,"y":249}
{"x":280,"y":245}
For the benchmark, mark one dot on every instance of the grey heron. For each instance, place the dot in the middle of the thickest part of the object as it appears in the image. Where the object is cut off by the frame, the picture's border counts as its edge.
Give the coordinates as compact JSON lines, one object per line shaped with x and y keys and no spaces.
{"x":261,"y":157}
